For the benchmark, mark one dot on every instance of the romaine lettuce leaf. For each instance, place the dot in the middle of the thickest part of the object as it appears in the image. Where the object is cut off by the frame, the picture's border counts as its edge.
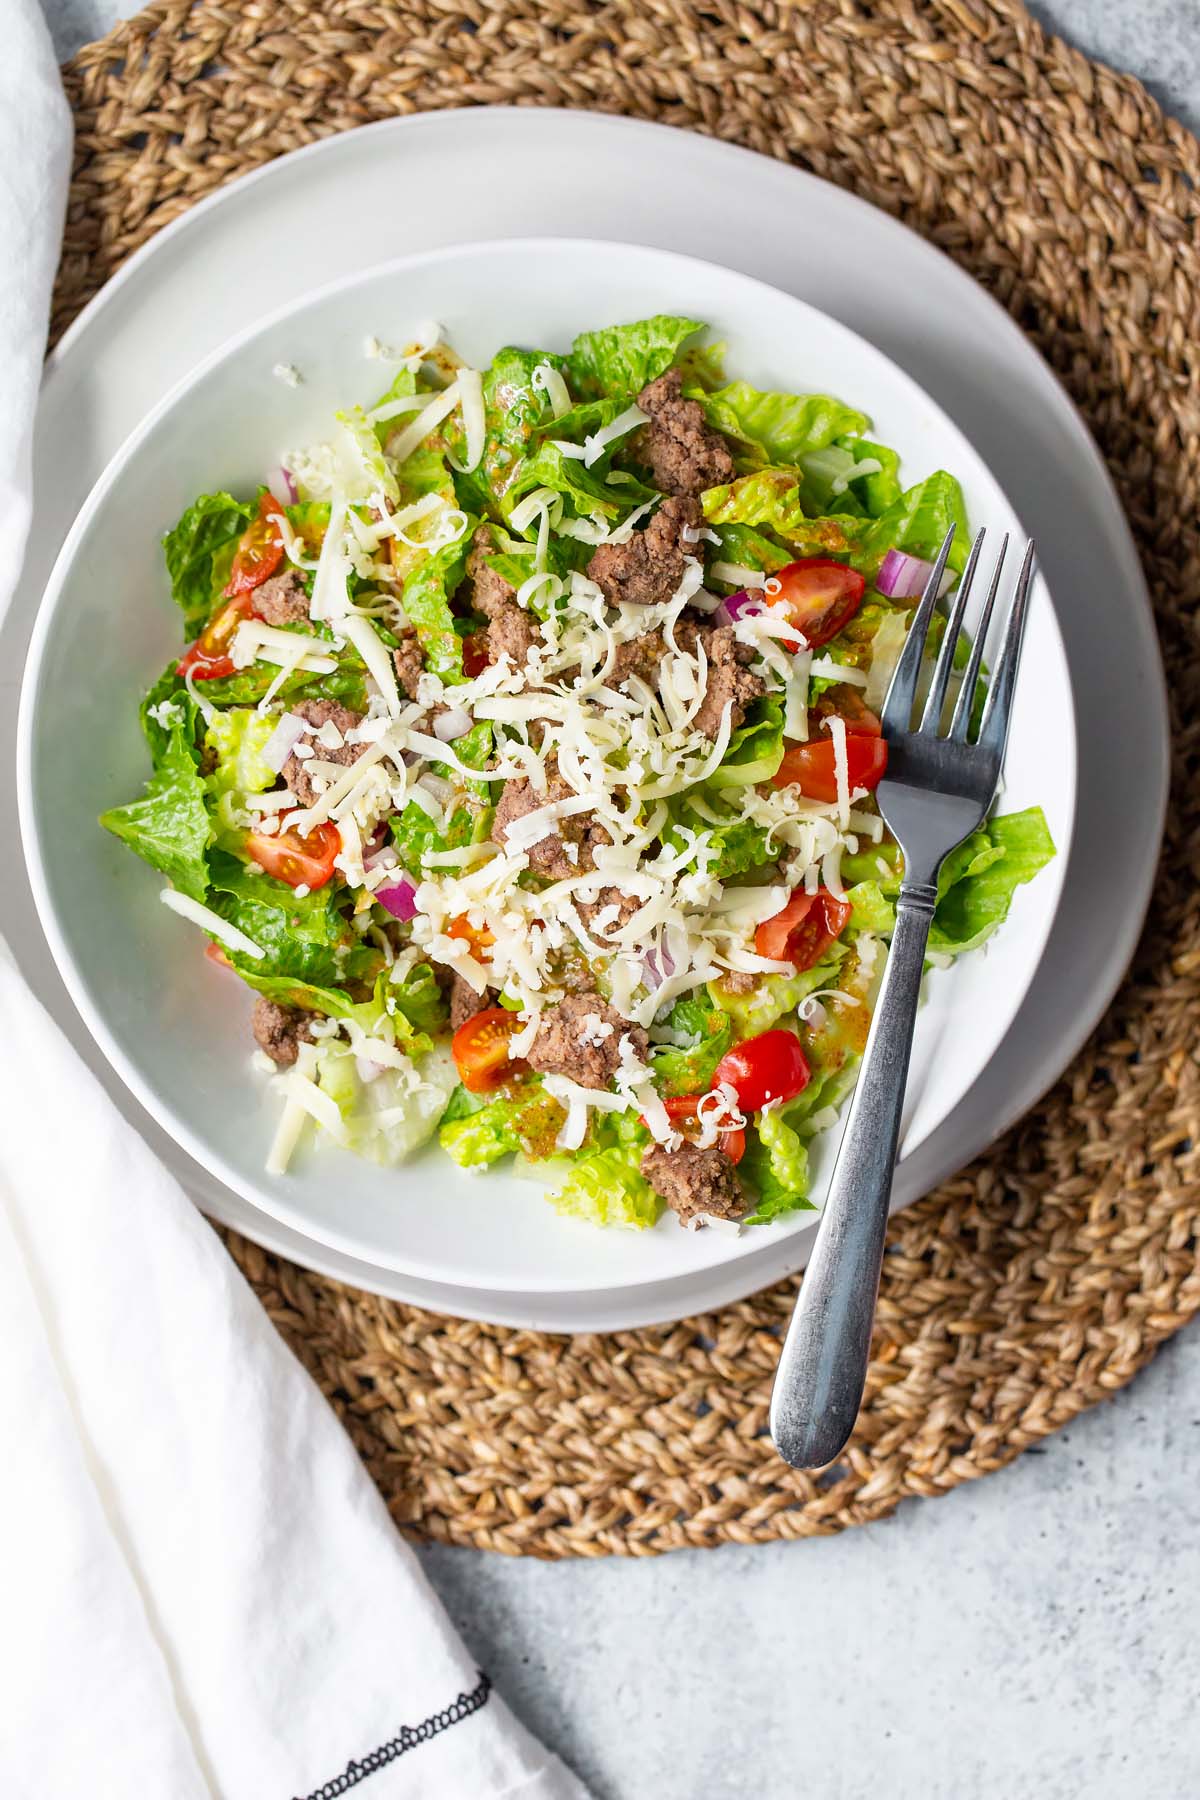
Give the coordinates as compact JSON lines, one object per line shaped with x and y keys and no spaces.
{"x":975,"y":887}
{"x":984,"y":876}
{"x":420,"y":999}
{"x":246,"y":687}
{"x":168,"y":704}
{"x":777,"y":995}
{"x":743,"y":545}
{"x":755,"y":749}
{"x":199,"y":552}
{"x":735,"y":845}
{"x":334,"y":1002}
{"x":775,"y":1165}
{"x":237,"y":739}
{"x":426,"y":600}
{"x":586,"y":489}
{"x":690,"y":1071}
{"x":513,"y":409}
{"x":918,"y":521}
{"x":772,"y":498}
{"x":170,"y":827}
{"x":385,"y":1119}
{"x":781,"y":428}
{"x":525,"y":1119}
{"x":620,"y":359}
{"x":606,"y":1188}
{"x":303,"y":937}
{"x":415,"y":834}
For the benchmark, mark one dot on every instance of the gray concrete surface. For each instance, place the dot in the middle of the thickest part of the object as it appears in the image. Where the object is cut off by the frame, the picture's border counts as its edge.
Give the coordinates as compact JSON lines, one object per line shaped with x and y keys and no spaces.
{"x":1031,"y":1635}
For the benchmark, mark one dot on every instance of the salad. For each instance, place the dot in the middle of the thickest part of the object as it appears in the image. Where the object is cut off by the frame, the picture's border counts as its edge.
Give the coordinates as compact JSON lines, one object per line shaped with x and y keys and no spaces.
{"x":521,"y":761}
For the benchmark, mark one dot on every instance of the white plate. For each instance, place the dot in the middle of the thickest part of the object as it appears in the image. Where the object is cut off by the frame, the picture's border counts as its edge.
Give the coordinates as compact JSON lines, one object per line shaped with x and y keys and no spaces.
{"x":292,"y":223}
{"x":174,"y":1029}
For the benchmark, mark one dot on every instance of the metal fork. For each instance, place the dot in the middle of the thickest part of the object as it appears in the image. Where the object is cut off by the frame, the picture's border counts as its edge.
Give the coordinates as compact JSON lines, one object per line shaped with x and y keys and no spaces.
{"x":938,"y":788}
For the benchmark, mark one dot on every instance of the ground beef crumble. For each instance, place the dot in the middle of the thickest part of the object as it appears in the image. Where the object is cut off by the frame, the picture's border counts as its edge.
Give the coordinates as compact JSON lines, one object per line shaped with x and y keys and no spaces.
{"x":693,"y":1181}
{"x":551,"y":855}
{"x":282,"y":599}
{"x":564,"y":1045}
{"x":280,"y":1030}
{"x":679,"y":447}
{"x":511,"y":630}
{"x":648,"y":568}
{"x":317,"y":713}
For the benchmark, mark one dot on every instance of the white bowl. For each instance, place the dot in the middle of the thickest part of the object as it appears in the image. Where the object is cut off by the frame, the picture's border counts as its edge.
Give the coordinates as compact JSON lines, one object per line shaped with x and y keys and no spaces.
{"x":174,"y":1028}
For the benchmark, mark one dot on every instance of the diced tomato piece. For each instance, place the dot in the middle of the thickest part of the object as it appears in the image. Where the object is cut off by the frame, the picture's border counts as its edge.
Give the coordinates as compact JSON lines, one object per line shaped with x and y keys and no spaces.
{"x":822,"y":596}
{"x":480,"y":1050}
{"x":771,"y":1066}
{"x":208,"y":659}
{"x":813,"y":766}
{"x":683,"y":1112}
{"x":300,"y":861}
{"x":215,"y":954}
{"x":804,"y":930}
{"x":475,"y":654}
{"x":260,"y":548}
{"x":477,"y":936}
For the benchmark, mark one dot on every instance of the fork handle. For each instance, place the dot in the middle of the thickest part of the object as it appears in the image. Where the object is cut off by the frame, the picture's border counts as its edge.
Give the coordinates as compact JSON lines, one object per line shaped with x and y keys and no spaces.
{"x":819,"y":1383}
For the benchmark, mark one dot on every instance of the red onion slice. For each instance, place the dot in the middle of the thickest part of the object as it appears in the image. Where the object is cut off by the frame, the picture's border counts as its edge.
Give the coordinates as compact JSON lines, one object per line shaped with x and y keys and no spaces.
{"x":283,"y":740}
{"x":282,"y":484}
{"x":901,"y":577}
{"x":454,"y":723}
{"x":399,"y":898}
{"x":745,"y":600}
{"x":658,"y":964}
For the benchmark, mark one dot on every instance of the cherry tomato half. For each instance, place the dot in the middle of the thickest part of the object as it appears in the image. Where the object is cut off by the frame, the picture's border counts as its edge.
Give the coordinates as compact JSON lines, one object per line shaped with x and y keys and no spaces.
{"x":682,"y":1110}
{"x":821,"y":594}
{"x":475,"y":654}
{"x":260,"y":548}
{"x":300,"y":861}
{"x":480,"y":1050}
{"x":208,"y":659}
{"x":804,"y":930}
{"x":813,"y":766}
{"x":771,"y":1066}
{"x":846,"y":703}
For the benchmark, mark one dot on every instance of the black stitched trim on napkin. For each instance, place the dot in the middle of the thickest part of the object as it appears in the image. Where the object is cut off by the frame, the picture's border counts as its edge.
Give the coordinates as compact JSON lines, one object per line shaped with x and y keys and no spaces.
{"x":407,"y":1738}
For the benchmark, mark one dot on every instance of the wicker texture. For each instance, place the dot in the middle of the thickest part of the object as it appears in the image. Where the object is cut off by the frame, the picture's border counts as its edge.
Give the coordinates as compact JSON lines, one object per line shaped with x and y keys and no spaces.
{"x":1046,"y":1275}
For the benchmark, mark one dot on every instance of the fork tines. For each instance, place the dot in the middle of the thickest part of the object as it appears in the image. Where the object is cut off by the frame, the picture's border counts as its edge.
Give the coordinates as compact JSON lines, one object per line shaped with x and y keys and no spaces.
{"x":902,"y":694}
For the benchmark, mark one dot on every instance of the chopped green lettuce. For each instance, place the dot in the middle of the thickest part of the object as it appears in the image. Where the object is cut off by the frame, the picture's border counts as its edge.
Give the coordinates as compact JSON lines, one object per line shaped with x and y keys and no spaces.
{"x":775,"y":1165}
{"x":606,"y":1187}
{"x":975,"y":887}
{"x":416,"y":835}
{"x":420,"y":999}
{"x":742,"y":545}
{"x":680,"y":1069}
{"x":755,"y":749}
{"x":777,"y":995}
{"x":199,"y":553}
{"x":169,"y":827}
{"x":524,"y":1119}
{"x":334,"y":1002}
{"x":426,"y":599}
{"x":777,"y":428}
{"x":734,"y":844}
{"x":918,"y":521}
{"x":168,"y":704}
{"x":389,"y":1117}
{"x":303,"y":937}
{"x":620,"y":359}
{"x":237,"y":739}
{"x":246,"y":687}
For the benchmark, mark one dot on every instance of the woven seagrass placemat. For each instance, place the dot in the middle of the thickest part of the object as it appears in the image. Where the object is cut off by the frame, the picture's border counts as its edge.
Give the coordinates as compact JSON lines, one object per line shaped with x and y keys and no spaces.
{"x":1045,"y":1276}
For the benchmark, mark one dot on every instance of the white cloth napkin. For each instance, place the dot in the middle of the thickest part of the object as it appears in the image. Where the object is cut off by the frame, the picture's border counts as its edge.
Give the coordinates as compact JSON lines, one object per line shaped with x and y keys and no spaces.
{"x":201,"y":1593}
